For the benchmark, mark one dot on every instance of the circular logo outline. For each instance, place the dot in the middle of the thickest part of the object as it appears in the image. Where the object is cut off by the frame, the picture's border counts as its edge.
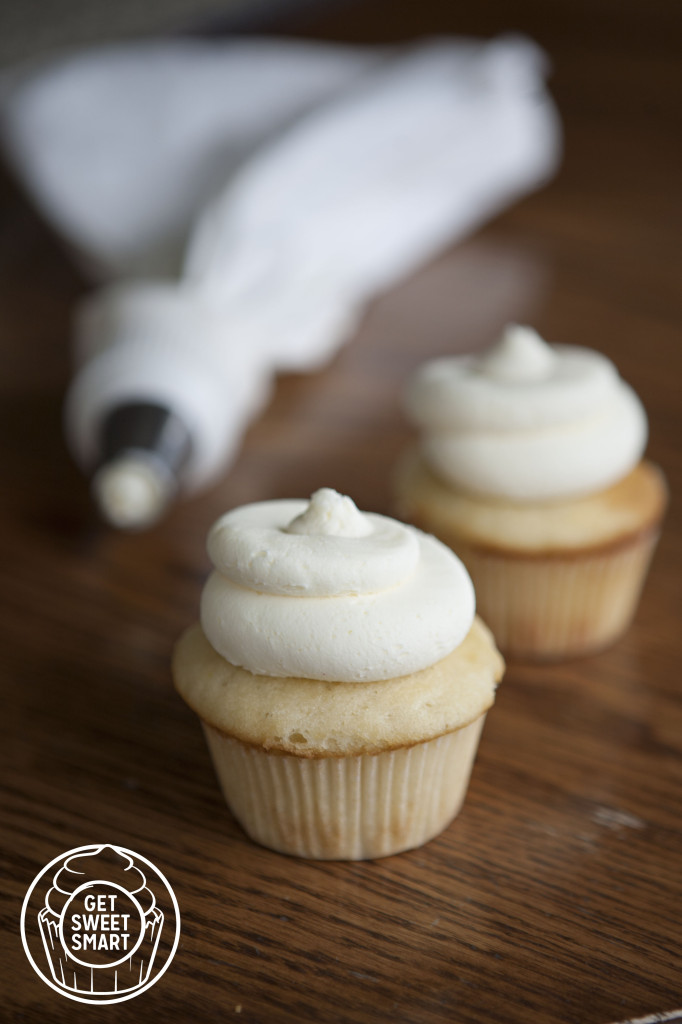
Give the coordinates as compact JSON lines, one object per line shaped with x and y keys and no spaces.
{"x":62,"y":858}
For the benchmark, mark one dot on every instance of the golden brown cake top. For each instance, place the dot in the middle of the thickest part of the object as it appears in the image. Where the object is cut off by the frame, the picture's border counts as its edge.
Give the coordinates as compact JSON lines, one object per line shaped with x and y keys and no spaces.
{"x":317,"y":718}
{"x":633,"y":505}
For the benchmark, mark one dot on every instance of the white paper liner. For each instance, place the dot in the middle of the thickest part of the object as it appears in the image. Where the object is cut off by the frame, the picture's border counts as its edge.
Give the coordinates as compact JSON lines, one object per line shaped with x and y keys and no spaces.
{"x":346,"y":808}
{"x":555,"y":607}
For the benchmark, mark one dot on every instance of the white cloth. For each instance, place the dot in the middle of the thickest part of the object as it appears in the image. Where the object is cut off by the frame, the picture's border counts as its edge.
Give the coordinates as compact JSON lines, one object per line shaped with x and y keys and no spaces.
{"x":298,"y":178}
{"x":121,"y":147}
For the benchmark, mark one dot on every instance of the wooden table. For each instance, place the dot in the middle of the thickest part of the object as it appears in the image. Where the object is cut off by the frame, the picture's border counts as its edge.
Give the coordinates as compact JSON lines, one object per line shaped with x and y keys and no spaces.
{"x":556,"y":895}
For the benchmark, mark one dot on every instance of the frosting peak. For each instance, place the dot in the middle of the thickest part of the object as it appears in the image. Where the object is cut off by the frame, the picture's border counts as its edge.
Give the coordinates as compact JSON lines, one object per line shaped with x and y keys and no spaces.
{"x":331,"y":515}
{"x":527,"y":421}
{"x":519,"y":355}
{"x":321,"y":590}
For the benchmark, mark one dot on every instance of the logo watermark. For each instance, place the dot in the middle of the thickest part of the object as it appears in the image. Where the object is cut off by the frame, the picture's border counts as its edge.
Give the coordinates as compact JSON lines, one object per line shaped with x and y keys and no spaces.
{"x":100,"y":924}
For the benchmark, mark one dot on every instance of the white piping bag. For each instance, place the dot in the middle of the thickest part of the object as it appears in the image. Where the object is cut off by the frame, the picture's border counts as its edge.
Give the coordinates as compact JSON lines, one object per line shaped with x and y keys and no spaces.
{"x":401,"y":157}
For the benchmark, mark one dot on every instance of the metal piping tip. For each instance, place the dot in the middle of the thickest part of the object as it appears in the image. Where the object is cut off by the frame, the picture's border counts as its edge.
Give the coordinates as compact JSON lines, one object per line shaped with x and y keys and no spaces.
{"x":144,"y":448}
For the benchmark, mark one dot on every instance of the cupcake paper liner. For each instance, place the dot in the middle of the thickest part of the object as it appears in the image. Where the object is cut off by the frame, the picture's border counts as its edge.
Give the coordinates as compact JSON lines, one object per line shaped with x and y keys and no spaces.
{"x":346,"y":808}
{"x":559,"y":606}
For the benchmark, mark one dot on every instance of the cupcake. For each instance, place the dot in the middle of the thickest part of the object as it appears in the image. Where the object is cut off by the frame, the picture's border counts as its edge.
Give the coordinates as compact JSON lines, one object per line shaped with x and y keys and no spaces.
{"x":340,"y":675}
{"x":530,"y":468}
{"x":100,"y":925}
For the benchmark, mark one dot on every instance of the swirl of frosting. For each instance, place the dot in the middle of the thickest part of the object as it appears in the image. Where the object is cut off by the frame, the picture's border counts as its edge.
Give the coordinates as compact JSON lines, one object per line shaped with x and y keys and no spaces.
{"x":319,"y":590}
{"x":527,"y":421}
{"x":105,"y":864}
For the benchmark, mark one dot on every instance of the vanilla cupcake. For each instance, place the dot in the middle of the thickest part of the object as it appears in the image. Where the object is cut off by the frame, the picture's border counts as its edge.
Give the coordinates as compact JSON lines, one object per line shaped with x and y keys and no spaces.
{"x":341,"y":677}
{"x":530,"y":468}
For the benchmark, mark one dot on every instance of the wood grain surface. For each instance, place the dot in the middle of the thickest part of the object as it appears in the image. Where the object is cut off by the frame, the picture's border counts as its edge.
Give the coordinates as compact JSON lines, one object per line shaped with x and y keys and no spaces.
{"x":556,"y":895}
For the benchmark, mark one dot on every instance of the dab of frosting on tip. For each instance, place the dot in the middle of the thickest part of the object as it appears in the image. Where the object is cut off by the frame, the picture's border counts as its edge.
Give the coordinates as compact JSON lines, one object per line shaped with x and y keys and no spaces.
{"x":131,"y":492}
{"x":520,"y":355}
{"x":330,"y":514}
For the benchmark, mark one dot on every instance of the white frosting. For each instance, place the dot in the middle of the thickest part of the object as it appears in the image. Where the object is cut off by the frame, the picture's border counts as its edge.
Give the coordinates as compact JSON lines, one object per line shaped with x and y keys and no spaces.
{"x":320,"y":590}
{"x":132,"y":491}
{"x":528,"y":421}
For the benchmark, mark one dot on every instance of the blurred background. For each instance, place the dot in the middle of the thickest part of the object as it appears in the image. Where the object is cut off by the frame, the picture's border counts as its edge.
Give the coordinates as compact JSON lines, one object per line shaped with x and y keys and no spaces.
{"x":586,"y":259}
{"x":615,"y":73}
{"x":30,"y":29}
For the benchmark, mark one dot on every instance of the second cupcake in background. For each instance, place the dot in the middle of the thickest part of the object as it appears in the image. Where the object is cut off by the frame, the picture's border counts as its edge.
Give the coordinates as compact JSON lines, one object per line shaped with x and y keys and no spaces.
{"x":530,"y":468}
{"x":341,"y":677}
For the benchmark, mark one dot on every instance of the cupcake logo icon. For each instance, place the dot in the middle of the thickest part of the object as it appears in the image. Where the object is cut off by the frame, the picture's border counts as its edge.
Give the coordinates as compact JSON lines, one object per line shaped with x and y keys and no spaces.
{"x":100,"y":924}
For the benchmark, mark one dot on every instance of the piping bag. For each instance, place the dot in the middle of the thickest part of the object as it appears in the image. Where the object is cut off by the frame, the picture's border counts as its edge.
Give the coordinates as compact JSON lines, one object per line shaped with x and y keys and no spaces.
{"x":342,"y":170}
